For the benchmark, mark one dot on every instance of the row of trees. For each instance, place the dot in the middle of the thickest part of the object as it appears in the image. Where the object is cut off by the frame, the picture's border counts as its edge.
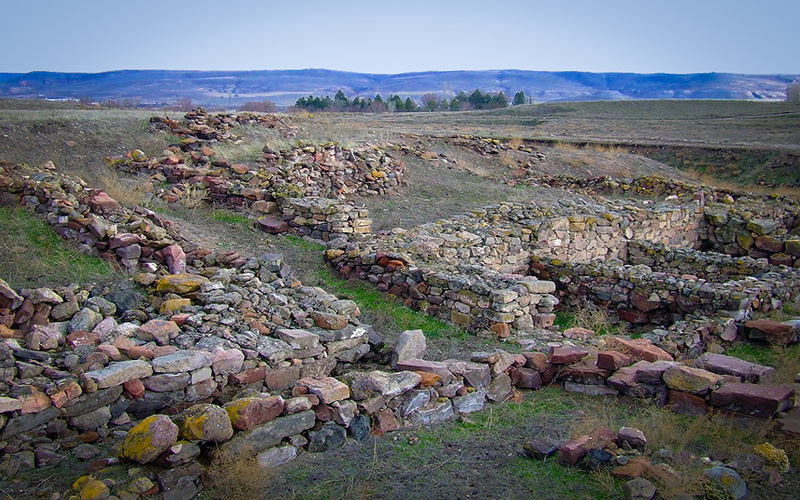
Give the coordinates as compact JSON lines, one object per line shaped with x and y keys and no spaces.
{"x":429,"y":102}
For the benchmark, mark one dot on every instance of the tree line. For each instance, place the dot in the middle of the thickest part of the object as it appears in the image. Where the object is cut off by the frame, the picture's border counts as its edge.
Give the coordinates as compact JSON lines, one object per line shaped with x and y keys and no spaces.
{"x":428,"y":102}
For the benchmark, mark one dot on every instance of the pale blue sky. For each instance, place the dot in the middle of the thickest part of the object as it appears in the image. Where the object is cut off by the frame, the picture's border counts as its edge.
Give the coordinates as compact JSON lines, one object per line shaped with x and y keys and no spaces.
{"x":676,"y":36}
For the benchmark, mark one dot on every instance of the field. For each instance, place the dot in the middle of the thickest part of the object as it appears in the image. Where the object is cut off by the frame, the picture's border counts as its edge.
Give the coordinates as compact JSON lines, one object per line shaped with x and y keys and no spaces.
{"x":742,"y":144}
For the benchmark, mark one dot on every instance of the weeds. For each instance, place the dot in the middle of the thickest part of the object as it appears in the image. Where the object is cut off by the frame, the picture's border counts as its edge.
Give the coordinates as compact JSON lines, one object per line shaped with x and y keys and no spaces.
{"x":238,"y":477}
{"x":194,"y":196}
{"x":592,"y":317}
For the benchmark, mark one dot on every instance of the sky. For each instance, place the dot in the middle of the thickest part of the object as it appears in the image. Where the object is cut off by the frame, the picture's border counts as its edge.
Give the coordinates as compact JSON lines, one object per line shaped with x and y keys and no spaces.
{"x":641,"y":36}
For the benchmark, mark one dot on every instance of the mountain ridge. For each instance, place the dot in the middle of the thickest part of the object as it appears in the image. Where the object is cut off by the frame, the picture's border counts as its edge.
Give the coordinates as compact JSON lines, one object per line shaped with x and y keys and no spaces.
{"x":232,"y":88}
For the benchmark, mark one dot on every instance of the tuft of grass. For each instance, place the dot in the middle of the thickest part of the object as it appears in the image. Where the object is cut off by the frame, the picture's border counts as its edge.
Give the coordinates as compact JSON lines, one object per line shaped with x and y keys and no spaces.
{"x":237,"y":477}
{"x":591,"y":317}
{"x":32,"y":254}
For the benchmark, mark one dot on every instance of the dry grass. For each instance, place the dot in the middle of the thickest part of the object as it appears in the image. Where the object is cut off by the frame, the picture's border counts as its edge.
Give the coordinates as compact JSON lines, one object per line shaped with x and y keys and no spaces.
{"x":717,"y":437}
{"x":515,"y":142}
{"x":595,"y":318}
{"x":194,"y":196}
{"x":129,"y":192}
{"x":237,"y":477}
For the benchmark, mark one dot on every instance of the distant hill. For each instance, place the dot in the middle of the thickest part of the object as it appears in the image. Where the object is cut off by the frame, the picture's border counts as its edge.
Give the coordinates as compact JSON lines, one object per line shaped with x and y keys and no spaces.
{"x":232,"y":88}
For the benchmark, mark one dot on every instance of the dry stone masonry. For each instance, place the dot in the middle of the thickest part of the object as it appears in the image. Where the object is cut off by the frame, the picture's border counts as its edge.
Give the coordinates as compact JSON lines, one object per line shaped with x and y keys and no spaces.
{"x":645,"y":260}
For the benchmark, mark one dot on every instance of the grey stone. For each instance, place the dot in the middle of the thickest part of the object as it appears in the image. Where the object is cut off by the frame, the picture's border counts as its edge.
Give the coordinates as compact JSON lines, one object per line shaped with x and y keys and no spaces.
{"x":541,"y":447}
{"x":87,"y":402}
{"x":298,"y":339}
{"x":727,"y":480}
{"x":181,"y":483}
{"x":269,"y":434}
{"x":364,"y":385}
{"x":413,"y":401}
{"x":273,"y":350}
{"x":85,"y":320}
{"x":120,"y":372}
{"x":181,"y":361}
{"x":410,"y":345}
{"x":433,"y":413}
{"x":178,"y":454}
{"x":639,"y":489}
{"x":359,"y":428}
{"x":277,"y":456}
{"x":92,"y":420}
{"x":472,"y":402}
{"x":330,"y":437}
{"x":24,"y":423}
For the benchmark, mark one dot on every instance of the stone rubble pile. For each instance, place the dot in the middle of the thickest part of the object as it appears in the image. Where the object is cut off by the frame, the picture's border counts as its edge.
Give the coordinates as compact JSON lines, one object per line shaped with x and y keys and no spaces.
{"x":201,"y":125}
{"x":327,"y":171}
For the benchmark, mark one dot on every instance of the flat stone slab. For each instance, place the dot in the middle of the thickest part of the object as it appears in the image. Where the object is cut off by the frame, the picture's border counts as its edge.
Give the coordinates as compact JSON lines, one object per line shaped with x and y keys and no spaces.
{"x":120,"y":372}
{"x":421,"y":365}
{"x":270,"y":434}
{"x":687,"y":379}
{"x":638,"y":349}
{"x":181,"y":361}
{"x":389,"y":385}
{"x":327,"y":389}
{"x":756,"y":400}
{"x":566,"y":355}
{"x":728,"y":365}
{"x":298,"y":339}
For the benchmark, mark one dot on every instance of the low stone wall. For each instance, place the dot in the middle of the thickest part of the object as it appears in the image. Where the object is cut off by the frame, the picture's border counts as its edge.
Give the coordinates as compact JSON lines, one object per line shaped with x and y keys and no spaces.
{"x":770,"y":234}
{"x":641,"y":295}
{"x":473,"y":297}
{"x":327,"y":171}
{"x":712,"y":266}
{"x":325,"y":219}
{"x":604,"y":232}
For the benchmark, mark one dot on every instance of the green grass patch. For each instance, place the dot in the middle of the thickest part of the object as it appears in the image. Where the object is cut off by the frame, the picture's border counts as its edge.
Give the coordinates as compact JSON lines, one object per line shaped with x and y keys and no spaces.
{"x":754,"y":353}
{"x":32,"y":254}
{"x":383,"y":305}
{"x":231,"y":217}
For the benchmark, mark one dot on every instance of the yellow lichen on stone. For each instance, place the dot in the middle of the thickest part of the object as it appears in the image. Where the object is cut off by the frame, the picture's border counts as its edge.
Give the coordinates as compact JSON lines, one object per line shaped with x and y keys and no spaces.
{"x":193,"y":427}
{"x":773,"y":456}
{"x":94,"y":490}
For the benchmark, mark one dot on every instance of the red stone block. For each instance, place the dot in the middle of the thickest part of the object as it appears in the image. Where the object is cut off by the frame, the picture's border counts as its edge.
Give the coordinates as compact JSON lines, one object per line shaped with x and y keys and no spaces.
{"x":573,"y":451}
{"x":612,"y":360}
{"x":756,"y":400}
{"x":566,"y":355}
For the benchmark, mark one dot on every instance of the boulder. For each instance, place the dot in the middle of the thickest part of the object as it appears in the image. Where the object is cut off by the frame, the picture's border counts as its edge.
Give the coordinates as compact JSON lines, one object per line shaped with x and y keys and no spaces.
{"x":149,"y":438}
{"x":248,"y":412}
{"x":205,"y":422}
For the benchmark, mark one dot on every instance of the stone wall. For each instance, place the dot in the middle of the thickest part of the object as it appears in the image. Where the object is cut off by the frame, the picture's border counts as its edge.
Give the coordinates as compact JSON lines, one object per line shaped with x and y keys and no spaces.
{"x":641,"y":295}
{"x":474,"y":297}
